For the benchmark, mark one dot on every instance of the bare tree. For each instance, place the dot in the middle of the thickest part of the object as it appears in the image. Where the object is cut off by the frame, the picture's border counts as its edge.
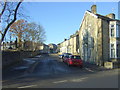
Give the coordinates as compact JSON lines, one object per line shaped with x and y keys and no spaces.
{"x":41,"y":34}
{"x":4,"y":7}
{"x":36,"y":34}
{"x":8,"y":14}
{"x":18,"y":28}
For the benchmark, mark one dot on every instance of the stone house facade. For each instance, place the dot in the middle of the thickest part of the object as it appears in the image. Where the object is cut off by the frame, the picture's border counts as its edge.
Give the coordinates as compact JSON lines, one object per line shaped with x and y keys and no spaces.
{"x":63,"y":46}
{"x":53,"y":48}
{"x":97,"y":40}
{"x":95,"y":37}
{"x":70,"y":45}
{"x":8,"y":46}
{"x":44,"y":48}
{"x":74,"y":43}
{"x":114,"y":34}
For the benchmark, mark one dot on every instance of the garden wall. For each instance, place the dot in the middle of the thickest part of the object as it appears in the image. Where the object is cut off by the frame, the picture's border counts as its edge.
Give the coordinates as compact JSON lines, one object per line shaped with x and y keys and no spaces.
{"x":12,"y":57}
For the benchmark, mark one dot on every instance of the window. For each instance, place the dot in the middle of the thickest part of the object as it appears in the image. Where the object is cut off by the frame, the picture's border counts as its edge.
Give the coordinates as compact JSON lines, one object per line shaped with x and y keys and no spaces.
{"x":75,"y":57}
{"x":118,"y":50}
{"x":118,"y":31}
{"x":112,"y":51}
{"x":112,"y":26}
{"x":112,"y":32}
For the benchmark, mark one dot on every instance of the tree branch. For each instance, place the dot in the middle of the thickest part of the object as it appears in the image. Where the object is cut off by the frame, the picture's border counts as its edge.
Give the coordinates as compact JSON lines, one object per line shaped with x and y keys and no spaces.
{"x":3,"y":9}
{"x":8,"y":26}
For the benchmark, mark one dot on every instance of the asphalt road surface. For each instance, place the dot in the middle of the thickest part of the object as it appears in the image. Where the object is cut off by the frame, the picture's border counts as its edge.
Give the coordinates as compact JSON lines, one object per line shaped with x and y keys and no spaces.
{"x":49,"y":71}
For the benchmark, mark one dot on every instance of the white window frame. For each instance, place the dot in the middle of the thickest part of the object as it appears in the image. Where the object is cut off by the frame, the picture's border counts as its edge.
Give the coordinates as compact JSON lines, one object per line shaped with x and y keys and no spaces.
{"x":117,"y":30}
{"x":113,"y":29}
{"x":110,"y":27}
{"x":115,"y":47}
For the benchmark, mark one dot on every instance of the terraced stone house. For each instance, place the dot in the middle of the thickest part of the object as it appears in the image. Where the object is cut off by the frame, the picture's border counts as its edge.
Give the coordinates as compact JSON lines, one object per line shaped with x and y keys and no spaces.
{"x":70,"y":45}
{"x":99,"y":37}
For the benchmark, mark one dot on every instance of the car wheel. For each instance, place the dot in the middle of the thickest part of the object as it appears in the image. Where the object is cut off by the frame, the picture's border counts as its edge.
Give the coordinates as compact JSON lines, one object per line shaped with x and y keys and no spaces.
{"x":81,"y":66}
{"x":68,"y":64}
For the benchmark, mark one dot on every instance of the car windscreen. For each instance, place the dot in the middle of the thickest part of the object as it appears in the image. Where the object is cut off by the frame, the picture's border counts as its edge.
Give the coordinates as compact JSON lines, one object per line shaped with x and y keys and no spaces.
{"x":66,"y":56}
{"x":75,"y":57}
{"x":69,"y":53}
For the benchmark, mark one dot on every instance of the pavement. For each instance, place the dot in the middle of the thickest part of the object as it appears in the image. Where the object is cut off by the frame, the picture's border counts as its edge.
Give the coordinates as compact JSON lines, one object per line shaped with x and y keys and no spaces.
{"x":94,"y":66}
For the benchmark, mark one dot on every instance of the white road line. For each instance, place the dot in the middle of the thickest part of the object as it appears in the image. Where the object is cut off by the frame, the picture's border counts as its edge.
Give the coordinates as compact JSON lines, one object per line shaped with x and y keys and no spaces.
{"x":79,"y":79}
{"x":89,"y":69}
{"x":76,"y":80}
{"x":27,"y":86}
{"x":60,"y":81}
{"x":84,"y":78}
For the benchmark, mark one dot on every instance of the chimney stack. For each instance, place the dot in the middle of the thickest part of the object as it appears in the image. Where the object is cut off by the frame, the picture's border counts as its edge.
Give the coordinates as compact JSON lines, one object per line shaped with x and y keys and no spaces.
{"x":111,"y":15}
{"x":94,"y":9}
{"x":65,"y":39}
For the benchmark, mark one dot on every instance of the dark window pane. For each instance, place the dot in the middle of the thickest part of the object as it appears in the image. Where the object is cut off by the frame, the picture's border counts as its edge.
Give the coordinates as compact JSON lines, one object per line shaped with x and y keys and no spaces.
{"x":77,"y":57}
{"x":112,"y":25}
{"x":118,"y":50}
{"x":112,"y":53}
{"x":112,"y":32}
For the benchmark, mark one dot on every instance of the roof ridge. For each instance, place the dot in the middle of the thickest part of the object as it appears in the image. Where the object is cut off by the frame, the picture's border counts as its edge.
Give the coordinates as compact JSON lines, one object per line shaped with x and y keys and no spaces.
{"x":103,"y":16}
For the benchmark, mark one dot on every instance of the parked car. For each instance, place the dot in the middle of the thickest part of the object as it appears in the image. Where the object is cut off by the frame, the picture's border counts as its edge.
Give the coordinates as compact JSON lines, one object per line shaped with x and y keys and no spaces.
{"x":66,"y":54}
{"x":65,"y":58}
{"x":61,"y":56}
{"x":74,"y":60}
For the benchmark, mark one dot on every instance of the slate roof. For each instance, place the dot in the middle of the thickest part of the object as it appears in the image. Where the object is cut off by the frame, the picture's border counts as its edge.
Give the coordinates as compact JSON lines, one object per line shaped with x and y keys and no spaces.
{"x":104,"y":17}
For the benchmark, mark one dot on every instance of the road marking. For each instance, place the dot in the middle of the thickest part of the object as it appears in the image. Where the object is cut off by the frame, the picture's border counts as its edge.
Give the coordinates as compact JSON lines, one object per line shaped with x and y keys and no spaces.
{"x":89,"y":69}
{"x":79,"y":79}
{"x":60,"y":81}
{"x":27,"y":86}
{"x":84,"y":78}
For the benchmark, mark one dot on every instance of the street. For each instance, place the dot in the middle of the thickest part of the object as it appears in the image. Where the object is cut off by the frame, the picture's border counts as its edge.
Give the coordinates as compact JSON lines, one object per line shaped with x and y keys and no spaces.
{"x":49,"y":71}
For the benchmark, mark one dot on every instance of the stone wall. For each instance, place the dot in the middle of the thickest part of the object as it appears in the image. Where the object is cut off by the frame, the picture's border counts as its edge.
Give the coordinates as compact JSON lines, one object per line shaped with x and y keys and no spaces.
{"x":105,"y":38}
{"x":111,"y":65}
{"x":99,"y":51}
{"x":90,"y":38}
{"x":12,"y":57}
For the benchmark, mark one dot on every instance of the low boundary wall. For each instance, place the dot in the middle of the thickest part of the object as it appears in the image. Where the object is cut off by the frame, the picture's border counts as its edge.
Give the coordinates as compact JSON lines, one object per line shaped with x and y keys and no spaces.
{"x":12,"y":57}
{"x":112,"y":65}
